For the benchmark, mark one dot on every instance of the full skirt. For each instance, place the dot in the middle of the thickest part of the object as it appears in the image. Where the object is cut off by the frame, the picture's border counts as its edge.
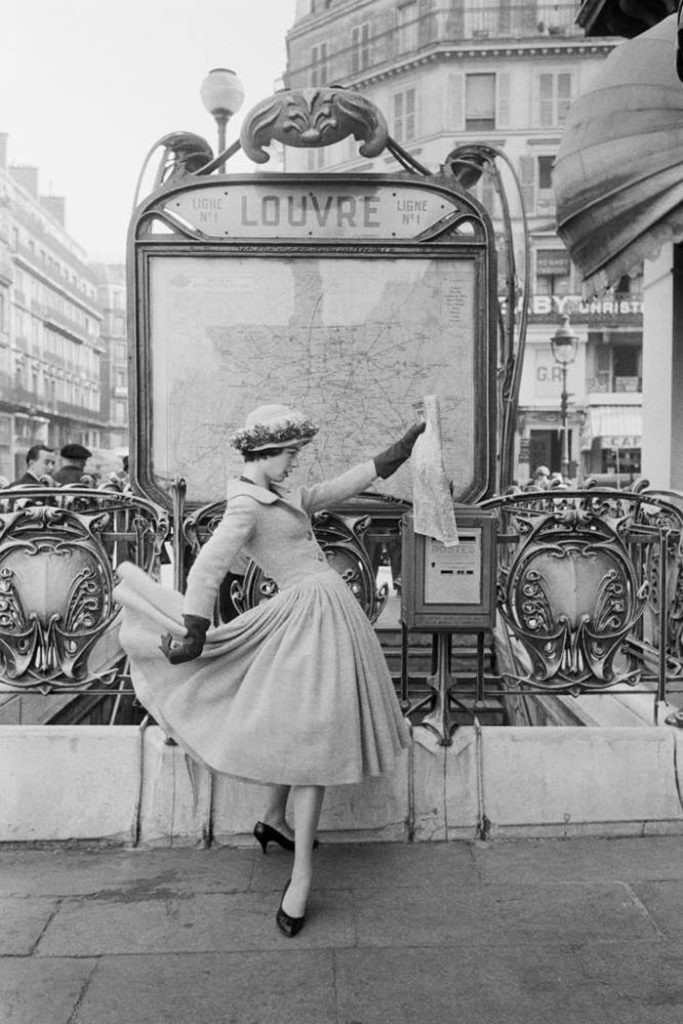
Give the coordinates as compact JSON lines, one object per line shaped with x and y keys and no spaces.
{"x":295,"y":691}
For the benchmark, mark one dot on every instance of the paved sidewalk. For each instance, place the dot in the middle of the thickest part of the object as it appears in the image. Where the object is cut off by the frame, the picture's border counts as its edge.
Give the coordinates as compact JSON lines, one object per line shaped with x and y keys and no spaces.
{"x":579,"y":931}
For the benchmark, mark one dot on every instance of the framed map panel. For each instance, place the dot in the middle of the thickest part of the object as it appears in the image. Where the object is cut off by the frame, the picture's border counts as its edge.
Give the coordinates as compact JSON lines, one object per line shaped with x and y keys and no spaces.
{"x":354,"y":332}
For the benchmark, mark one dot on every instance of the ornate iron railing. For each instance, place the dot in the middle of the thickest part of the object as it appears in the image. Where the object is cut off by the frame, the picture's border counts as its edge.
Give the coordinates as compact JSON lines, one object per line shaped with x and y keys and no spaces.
{"x":589,"y":585}
{"x":59,"y":549}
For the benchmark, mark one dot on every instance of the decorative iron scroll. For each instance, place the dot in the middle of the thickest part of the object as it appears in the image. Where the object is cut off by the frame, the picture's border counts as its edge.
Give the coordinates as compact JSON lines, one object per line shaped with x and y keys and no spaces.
{"x":577,"y":573}
{"x":340,"y":538}
{"x":58,"y":554}
{"x":313,"y":117}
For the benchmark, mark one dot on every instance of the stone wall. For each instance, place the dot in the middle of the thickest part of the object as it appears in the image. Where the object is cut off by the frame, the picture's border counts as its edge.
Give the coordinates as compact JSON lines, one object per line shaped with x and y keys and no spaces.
{"x":124,"y":785}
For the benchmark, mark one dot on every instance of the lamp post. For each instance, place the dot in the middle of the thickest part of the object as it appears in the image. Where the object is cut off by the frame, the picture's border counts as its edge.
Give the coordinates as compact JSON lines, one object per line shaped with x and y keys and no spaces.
{"x":563,"y":344}
{"x":222,"y":94}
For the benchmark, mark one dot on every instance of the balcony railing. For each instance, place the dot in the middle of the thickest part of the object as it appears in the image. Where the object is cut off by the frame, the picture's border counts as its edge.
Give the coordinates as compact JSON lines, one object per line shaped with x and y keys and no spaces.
{"x":66,"y":323}
{"x":503,"y":21}
{"x":443,"y":25}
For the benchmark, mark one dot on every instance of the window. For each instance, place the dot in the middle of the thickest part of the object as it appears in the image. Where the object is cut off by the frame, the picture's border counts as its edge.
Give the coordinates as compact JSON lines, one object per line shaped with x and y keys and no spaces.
{"x":545,"y":198}
{"x":536,"y":178}
{"x":626,"y":367}
{"x":480,"y":102}
{"x":554,"y":98}
{"x":360,"y":47}
{"x":617,"y":366}
{"x":404,"y":115}
{"x":545,"y":172}
{"x":407,"y":26}
{"x":319,"y":64}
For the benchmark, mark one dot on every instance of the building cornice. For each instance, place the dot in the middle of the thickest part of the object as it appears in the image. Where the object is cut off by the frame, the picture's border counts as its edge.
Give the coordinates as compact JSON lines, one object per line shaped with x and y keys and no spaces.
{"x":488,"y":51}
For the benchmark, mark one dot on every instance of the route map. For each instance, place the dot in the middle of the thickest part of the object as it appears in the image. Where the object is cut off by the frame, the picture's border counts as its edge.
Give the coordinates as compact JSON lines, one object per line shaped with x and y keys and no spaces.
{"x":353,"y":342}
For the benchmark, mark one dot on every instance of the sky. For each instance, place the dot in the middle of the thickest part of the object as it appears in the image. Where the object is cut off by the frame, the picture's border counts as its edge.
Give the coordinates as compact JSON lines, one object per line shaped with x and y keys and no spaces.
{"x":88,"y":86}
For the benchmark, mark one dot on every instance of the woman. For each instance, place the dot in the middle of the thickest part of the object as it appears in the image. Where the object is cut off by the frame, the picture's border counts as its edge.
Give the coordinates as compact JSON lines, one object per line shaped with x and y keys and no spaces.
{"x":295,"y":692}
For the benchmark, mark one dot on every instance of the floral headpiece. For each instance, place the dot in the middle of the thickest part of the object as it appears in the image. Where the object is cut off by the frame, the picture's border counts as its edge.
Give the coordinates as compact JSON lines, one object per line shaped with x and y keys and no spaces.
{"x":273,"y":426}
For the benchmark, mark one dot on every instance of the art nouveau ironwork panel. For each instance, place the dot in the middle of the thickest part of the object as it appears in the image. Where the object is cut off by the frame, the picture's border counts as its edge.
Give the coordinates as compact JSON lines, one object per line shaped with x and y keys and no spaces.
{"x":58,"y":554}
{"x":588,"y":583}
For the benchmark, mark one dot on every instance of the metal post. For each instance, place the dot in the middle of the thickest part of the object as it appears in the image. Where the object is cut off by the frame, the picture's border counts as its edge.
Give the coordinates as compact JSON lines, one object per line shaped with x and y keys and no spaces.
{"x":440,"y":721}
{"x":564,"y":462}
{"x":222,"y":117}
{"x":178,"y":490}
{"x":405,"y":701}
{"x":663,"y":616}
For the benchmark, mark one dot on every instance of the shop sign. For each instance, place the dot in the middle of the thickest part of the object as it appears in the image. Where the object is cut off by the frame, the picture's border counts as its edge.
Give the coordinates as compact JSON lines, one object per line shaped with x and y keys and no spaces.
{"x":620,"y":441}
{"x":552,"y":263}
{"x":576,"y":305}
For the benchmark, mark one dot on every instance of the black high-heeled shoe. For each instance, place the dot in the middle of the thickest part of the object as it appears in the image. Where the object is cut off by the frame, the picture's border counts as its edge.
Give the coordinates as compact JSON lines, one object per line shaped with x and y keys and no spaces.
{"x":265,"y":834}
{"x":289,"y":926}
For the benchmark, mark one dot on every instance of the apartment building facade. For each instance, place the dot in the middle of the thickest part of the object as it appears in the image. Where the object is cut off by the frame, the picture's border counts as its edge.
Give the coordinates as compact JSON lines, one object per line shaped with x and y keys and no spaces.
{"x":503,"y":73}
{"x":111,"y":294}
{"x":51,"y":348}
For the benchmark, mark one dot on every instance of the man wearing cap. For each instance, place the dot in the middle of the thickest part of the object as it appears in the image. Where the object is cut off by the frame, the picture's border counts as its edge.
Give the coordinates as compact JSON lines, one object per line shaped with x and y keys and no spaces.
{"x":74,"y":458}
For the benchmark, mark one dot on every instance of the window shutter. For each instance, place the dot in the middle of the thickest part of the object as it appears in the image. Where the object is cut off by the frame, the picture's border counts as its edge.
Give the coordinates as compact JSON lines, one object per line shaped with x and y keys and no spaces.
{"x":602,"y":358}
{"x":365,"y":45}
{"x":455,"y":102}
{"x":355,"y":50}
{"x":398,"y":116}
{"x":410,"y":109}
{"x":545,"y":101}
{"x":527,"y":178}
{"x":564,"y":96}
{"x":503,"y":99}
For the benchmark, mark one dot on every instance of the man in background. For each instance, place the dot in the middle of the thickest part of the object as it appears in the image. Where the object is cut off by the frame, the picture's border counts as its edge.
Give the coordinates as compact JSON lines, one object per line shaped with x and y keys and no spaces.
{"x":74,"y":458}
{"x":40,"y":463}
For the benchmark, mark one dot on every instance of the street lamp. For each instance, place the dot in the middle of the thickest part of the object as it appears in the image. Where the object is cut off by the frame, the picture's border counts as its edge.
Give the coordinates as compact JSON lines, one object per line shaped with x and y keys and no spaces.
{"x":563,"y":344}
{"x":222,"y":94}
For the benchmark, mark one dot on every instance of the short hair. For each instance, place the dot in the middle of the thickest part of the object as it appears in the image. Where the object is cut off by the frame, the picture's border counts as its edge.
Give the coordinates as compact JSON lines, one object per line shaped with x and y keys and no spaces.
{"x":34,"y":452}
{"x":265,"y":453}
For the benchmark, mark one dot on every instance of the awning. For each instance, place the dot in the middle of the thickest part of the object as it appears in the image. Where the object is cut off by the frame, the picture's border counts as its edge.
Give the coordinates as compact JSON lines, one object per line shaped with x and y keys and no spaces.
{"x":618,"y":176}
{"x":616,"y":426}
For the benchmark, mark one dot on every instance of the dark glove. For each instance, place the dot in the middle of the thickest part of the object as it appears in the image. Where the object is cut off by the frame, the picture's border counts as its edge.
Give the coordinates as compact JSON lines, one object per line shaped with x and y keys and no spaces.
{"x":189,"y":647}
{"x":388,"y":462}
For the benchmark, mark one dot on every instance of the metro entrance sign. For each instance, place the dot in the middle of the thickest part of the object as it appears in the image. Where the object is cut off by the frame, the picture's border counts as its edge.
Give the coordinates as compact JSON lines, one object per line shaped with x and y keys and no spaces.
{"x":351,"y":296}
{"x":353,"y":211}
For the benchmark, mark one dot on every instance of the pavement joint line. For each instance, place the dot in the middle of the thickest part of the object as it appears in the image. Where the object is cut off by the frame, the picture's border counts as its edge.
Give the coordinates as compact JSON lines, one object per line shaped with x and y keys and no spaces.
{"x":55,"y":910}
{"x":80,"y":999}
{"x":647,"y":913}
{"x":281,"y":950}
{"x":335,"y":987}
